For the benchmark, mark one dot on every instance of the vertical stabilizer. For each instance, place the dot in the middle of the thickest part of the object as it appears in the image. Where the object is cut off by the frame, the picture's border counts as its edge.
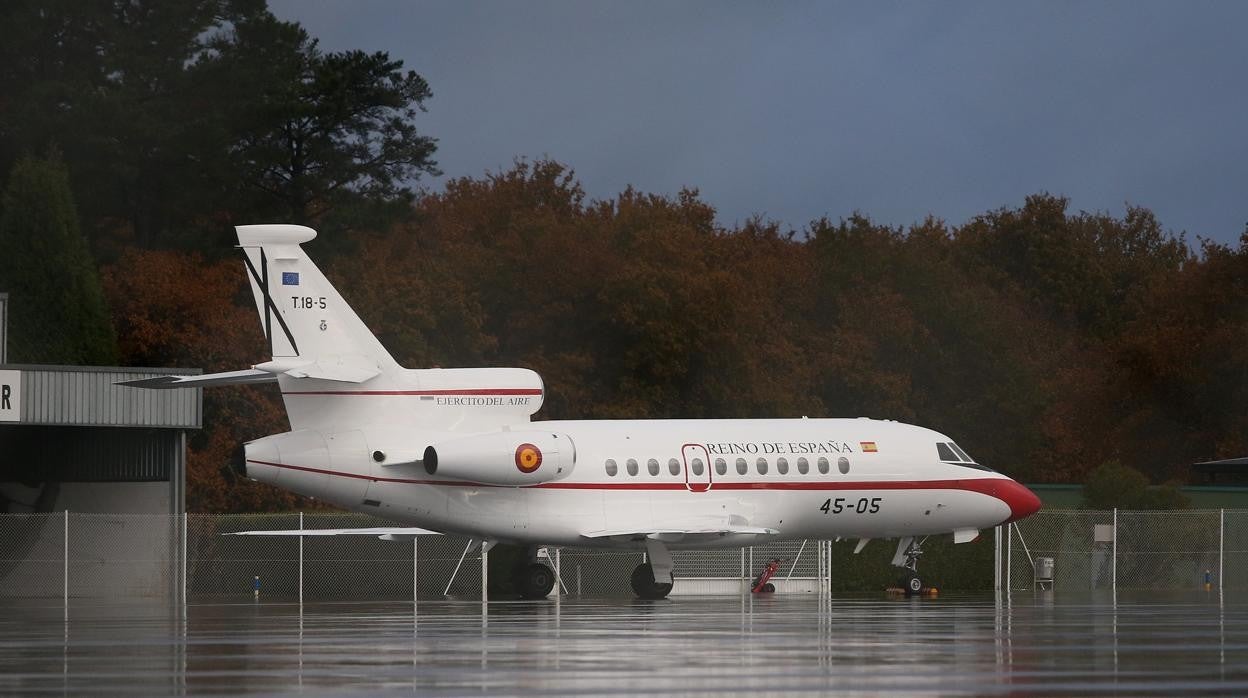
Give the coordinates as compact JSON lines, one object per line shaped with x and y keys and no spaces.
{"x":310,"y":329}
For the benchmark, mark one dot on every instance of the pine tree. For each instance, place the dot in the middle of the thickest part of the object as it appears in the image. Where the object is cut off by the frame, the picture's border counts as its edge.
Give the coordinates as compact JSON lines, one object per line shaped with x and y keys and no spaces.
{"x":57,"y":311}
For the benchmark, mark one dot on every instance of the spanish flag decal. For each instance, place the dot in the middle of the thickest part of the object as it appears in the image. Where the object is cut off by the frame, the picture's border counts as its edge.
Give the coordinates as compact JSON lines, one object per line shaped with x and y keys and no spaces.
{"x":528,"y":458}
{"x":867,"y":447}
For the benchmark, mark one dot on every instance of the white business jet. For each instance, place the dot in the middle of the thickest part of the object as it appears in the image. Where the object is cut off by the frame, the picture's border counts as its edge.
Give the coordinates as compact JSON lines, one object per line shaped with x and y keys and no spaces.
{"x":455,"y":451}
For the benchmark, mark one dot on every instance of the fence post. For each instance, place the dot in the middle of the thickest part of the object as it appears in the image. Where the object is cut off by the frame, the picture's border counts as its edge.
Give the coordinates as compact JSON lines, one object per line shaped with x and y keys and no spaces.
{"x":1221,"y":545}
{"x":66,"y":570}
{"x":301,"y":558}
{"x":485,"y":571}
{"x":996,"y":559}
{"x":825,"y":574}
{"x":1009,"y":553}
{"x":415,"y":566}
{"x":185,"y":524}
{"x":1113,"y":565}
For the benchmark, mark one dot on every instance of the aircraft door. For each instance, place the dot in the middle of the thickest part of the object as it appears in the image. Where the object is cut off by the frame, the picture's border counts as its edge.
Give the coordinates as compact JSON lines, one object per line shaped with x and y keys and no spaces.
{"x":697,"y":467}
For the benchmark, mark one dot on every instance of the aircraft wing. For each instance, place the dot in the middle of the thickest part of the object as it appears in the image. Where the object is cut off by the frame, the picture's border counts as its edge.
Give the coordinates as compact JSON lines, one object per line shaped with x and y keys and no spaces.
{"x":681,"y":534}
{"x":382,"y":533}
{"x":245,"y":377}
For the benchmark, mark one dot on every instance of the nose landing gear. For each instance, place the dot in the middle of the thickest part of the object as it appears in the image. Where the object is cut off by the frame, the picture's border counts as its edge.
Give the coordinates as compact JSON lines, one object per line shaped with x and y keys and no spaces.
{"x":907,"y":558}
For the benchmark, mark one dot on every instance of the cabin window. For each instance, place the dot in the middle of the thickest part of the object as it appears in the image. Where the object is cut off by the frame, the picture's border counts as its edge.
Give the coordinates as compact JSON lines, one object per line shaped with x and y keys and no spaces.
{"x":946,"y":453}
{"x":824,"y":466}
{"x":742,"y":466}
{"x":721,"y":466}
{"x":761,"y":464}
{"x":782,"y":466}
{"x":612,"y":468}
{"x":803,"y":466}
{"x":632,"y":466}
{"x":653,"y":466}
{"x":673,"y":466}
{"x":697,"y":466}
{"x":842,"y":464}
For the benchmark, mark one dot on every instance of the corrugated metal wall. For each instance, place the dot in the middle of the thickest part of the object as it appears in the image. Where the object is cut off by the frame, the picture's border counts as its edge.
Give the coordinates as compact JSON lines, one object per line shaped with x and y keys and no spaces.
{"x":72,"y":454}
{"x":89,"y":396}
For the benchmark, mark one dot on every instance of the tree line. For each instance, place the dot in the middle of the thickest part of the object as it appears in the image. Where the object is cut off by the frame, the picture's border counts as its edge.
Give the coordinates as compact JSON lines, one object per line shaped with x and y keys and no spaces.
{"x":133,"y":135}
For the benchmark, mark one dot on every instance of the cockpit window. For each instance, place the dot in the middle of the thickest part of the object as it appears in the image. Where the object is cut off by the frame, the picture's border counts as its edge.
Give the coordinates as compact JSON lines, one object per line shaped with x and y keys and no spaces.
{"x":960,"y":452}
{"x":950,"y":453}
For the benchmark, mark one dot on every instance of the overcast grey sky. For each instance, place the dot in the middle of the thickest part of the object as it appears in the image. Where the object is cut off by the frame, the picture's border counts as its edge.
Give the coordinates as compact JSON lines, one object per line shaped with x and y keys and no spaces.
{"x":795,"y":110}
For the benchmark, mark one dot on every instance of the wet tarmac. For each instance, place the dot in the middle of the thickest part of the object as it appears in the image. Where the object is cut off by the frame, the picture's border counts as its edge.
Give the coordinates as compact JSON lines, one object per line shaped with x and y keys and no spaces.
{"x":952,"y":645}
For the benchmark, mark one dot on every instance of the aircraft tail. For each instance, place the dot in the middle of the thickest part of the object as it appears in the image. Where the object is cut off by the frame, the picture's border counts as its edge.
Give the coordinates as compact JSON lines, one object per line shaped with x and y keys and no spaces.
{"x":331,"y":369}
{"x":312,"y":332}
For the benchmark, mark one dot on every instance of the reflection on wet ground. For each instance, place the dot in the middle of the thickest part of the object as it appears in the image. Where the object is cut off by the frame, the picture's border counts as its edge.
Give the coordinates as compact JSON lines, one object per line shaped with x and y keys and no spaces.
{"x":951,"y":645}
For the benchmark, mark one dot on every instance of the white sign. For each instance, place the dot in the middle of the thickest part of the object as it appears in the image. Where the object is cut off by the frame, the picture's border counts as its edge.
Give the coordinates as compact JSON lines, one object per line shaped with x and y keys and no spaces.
{"x":10,"y":396}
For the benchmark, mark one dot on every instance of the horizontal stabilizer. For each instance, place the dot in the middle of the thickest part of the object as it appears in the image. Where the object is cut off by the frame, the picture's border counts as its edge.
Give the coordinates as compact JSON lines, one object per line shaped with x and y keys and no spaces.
{"x":347,"y":368}
{"x":344,"y":369}
{"x":382,"y":533}
{"x":246,"y":377}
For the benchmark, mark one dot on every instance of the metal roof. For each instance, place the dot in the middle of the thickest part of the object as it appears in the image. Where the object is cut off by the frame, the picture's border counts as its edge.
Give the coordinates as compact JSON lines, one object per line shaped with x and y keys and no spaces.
{"x":89,"y":396}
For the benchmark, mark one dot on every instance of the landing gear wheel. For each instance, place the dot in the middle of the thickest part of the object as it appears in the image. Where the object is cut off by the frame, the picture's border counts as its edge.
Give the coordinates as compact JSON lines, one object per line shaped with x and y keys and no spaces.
{"x":644,"y":585}
{"x":769,"y":587}
{"x":534,"y":581}
{"x":912,"y":584}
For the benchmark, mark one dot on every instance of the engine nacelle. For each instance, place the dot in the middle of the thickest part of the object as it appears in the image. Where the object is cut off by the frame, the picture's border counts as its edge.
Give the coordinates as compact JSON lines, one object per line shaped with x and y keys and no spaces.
{"x":509,"y":458}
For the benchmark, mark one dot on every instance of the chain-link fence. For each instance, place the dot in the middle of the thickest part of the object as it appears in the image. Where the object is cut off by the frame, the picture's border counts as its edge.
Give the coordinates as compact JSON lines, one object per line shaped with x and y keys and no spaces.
{"x":192,"y":558}
{"x":1171,"y":550}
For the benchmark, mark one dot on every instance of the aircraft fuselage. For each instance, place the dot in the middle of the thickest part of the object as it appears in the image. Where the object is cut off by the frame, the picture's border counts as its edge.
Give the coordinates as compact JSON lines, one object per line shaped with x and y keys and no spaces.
{"x":799,"y":478}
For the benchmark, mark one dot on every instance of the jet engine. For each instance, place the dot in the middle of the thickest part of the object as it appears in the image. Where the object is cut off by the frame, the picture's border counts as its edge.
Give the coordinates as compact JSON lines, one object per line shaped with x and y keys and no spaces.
{"x":508,"y":458}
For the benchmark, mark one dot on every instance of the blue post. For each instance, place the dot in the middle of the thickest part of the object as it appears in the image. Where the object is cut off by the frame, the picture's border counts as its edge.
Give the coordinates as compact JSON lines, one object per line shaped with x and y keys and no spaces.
{"x":1208,"y":580}
{"x":256,"y":588}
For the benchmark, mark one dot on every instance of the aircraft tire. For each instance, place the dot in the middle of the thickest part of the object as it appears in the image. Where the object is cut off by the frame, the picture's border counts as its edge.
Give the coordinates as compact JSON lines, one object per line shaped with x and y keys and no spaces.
{"x":644,"y":585}
{"x":535,"y":581}
{"x":769,"y":587}
{"x":912,"y":584}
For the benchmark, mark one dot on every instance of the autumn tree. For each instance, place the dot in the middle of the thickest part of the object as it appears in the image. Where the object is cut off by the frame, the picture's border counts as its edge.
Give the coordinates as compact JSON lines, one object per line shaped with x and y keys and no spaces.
{"x":1087,"y":269}
{"x":176,"y":309}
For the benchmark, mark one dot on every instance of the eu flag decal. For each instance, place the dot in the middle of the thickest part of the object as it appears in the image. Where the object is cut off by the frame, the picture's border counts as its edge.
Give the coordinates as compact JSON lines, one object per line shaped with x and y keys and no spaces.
{"x":290,"y":278}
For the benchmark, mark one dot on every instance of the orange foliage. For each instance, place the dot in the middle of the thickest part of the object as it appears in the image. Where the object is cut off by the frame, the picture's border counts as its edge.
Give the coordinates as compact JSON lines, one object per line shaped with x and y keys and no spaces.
{"x":175,"y":309}
{"x":1040,"y":364}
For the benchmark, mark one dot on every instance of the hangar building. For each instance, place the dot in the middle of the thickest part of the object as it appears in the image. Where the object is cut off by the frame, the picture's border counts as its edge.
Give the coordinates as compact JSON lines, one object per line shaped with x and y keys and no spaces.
{"x":113,"y":457}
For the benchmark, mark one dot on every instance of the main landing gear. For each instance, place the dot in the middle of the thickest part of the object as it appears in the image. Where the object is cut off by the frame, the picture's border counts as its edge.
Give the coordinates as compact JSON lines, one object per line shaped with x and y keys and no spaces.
{"x":653,"y":579}
{"x":907,"y":558}
{"x":533,"y":579}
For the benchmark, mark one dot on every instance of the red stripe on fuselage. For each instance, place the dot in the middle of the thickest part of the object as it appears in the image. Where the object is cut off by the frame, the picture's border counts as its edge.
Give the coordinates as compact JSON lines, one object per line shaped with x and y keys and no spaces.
{"x":457,"y":391}
{"x":986,"y":486}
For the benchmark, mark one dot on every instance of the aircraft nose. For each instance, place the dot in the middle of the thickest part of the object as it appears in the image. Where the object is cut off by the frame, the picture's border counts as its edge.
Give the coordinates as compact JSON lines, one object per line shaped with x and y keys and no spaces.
{"x":1022,"y":501}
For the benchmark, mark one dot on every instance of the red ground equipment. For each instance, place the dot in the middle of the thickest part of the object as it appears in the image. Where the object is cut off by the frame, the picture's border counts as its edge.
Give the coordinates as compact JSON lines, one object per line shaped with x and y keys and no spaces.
{"x":762,"y":583}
